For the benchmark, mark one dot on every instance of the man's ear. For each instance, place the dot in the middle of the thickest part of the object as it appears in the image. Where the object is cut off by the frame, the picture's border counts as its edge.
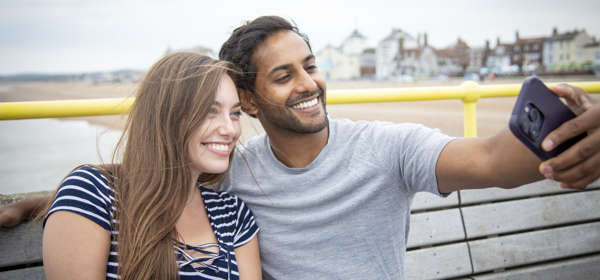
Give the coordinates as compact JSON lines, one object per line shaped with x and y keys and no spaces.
{"x":247,"y":98}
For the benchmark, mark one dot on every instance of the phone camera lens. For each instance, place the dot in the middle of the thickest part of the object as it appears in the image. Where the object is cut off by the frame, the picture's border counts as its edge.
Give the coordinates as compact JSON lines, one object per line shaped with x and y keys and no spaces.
{"x":533,"y":115}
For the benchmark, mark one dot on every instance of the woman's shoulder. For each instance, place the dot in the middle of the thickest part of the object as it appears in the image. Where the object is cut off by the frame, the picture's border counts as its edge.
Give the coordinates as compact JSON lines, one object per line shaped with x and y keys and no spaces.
{"x":90,"y":179}
{"x":211,"y":195}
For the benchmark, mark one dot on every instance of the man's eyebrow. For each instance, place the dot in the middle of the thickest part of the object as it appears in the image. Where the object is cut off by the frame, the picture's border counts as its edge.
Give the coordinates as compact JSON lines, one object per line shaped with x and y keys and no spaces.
{"x":287,"y":66}
{"x":280,"y":67}
{"x":309,"y":57}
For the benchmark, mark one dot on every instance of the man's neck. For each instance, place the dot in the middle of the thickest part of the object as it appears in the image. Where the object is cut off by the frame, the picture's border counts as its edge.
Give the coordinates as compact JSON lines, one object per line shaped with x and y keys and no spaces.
{"x":297,"y":150}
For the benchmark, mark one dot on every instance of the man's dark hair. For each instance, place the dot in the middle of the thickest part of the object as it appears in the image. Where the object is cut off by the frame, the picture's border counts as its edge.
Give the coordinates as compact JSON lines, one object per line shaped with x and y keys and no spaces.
{"x":244,"y":40}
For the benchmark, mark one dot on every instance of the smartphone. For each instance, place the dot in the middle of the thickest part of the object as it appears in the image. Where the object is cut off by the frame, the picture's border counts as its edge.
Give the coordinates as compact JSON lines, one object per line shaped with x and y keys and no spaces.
{"x":537,"y":112}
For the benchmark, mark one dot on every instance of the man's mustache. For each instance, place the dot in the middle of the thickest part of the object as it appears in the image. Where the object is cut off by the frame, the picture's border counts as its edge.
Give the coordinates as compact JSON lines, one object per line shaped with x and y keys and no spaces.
{"x":304,"y":95}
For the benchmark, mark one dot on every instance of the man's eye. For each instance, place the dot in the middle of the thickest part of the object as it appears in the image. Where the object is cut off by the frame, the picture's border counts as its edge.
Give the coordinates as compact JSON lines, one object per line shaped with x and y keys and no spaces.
{"x":236,"y":114}
{"x":282,"y":79}
{"x":213,"y":110}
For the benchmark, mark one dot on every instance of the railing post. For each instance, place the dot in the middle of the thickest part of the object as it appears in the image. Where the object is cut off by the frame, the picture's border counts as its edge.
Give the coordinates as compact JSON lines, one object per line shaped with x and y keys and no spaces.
{"x":470,"y":97}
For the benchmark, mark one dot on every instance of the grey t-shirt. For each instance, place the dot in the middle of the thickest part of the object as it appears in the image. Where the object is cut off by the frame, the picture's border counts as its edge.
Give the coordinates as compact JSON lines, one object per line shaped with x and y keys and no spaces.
{"x":346,"y":214}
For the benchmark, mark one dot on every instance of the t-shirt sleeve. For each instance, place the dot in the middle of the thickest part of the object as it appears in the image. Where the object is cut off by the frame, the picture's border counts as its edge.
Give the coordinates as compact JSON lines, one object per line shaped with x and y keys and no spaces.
{"x":411,"y":152}
{"x":85,"y":192}
{"x":246,"y":227}
{"x":420,"y":152}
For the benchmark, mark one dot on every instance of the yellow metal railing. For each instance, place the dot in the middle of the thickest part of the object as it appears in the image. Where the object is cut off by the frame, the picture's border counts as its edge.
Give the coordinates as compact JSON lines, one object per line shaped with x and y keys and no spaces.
{"x":468,"y":92}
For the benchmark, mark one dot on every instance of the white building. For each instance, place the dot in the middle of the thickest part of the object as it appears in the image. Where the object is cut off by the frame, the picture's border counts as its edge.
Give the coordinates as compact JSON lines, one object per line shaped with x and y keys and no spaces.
{"x":344,"y":62}
{"x":564,"y":51}
{"x":388,"y":54}
{"x":335,"y":65}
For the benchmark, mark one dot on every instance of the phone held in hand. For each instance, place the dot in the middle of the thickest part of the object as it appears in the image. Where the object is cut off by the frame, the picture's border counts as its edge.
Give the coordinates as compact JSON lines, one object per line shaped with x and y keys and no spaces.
{"x":537,"y":112}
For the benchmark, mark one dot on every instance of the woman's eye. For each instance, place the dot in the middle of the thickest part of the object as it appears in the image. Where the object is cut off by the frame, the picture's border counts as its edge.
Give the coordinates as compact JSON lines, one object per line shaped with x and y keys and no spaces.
{"x":213,"y":110}
{"x":236,"y":114}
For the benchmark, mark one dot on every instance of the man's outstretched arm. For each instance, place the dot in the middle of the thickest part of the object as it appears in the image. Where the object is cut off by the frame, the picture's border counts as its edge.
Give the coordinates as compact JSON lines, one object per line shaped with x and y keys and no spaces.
{"x":503,"y":161}
{"x":18,"y":212}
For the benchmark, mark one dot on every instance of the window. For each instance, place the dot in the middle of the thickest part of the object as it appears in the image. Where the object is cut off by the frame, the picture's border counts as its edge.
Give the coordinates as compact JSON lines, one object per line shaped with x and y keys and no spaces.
{"x":526,"y":48}
{"x":598,"y":55}
{"x":536,"y":47}
{"x":516,"y":48}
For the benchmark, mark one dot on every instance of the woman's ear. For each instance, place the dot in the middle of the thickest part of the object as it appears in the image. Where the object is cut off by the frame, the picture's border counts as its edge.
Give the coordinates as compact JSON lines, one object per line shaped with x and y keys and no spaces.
{"x":247,"y":98}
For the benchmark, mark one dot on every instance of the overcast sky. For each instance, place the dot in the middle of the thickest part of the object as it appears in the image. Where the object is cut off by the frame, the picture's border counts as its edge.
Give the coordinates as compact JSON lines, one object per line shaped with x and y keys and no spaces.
{"x":67,"y":36}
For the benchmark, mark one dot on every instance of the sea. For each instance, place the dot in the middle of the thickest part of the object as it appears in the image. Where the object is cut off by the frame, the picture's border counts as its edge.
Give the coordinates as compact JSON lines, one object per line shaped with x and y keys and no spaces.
{"x":36,"y":154}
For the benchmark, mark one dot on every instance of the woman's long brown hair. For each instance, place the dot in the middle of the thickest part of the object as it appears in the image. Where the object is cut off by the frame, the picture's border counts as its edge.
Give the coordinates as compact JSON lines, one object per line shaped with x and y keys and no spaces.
{"x":152,"y":182}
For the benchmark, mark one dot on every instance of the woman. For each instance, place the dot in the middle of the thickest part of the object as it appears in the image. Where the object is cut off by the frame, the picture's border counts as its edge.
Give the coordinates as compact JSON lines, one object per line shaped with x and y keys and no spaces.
{"x":155,"y":215}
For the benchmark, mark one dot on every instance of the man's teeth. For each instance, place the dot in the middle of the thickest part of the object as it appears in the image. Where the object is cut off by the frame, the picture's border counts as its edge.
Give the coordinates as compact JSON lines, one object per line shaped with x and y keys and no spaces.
{"x":306,"y":104}
{"x":219,"y":147}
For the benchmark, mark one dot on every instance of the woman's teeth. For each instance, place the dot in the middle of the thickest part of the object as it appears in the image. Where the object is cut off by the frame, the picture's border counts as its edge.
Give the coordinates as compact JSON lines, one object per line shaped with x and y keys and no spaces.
{"x":219,"y":147}
{"x":306,"y":104}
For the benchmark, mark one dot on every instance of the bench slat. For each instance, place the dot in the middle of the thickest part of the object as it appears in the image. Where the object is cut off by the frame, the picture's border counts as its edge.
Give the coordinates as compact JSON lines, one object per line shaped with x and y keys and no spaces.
{"x":24,"y":242}
{"x":580,"y":268}
{"x":33,"y":273}
{"x":525,"y":214}
{"x":435,"y":227}
{"x":438,"y":262}
{"x":526,"y":248}
{"x":538,"y":188}
{"x":426,"y":201}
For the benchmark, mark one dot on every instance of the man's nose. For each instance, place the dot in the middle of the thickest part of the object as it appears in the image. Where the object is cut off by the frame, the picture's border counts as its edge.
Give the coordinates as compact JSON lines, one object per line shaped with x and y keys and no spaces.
{"x":305,"y":82}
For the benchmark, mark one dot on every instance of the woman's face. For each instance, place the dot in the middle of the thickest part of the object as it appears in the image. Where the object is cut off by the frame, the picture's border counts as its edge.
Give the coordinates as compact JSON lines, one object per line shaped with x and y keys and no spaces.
{"x":215,"y":138}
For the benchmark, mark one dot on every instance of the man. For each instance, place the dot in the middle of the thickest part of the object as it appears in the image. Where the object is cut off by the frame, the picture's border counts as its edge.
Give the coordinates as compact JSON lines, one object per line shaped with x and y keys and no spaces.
{"x":333,"y":197}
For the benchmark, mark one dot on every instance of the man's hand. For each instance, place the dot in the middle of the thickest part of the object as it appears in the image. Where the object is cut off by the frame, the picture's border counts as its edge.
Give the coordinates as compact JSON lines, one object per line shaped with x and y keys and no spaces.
{"x":11,"y":215}
{"x":579,"y":165}
{"x":21,"y":211}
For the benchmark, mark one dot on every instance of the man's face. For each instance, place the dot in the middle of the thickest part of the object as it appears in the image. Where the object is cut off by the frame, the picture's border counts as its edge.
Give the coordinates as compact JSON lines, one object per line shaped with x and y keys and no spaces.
{"x":290,"y":91}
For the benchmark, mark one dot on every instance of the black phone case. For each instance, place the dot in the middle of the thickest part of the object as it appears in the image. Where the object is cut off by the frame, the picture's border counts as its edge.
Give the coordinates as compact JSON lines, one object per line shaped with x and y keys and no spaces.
{"x":554,"y":113}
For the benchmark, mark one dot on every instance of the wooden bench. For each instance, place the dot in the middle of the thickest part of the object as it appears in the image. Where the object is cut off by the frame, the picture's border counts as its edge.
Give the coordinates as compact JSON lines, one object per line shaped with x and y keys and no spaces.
{"x":538,"y":231}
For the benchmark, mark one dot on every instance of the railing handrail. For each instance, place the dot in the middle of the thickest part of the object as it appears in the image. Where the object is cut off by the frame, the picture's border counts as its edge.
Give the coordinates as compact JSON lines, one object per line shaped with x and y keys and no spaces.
{"x":468,"y":92}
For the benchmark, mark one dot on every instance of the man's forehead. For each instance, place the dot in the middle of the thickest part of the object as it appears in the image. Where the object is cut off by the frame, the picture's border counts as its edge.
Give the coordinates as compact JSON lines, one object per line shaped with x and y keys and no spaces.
{"x":280,"y":48}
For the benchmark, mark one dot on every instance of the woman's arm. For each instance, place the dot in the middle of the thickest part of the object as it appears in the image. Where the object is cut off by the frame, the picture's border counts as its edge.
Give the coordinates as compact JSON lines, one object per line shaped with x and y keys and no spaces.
{"x":248,"y":260}
{"x":74,"y":247}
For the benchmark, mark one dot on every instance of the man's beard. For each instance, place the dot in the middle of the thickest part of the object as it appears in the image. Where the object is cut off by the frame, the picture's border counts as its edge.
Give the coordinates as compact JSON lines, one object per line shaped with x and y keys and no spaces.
{"x":284,"y":118}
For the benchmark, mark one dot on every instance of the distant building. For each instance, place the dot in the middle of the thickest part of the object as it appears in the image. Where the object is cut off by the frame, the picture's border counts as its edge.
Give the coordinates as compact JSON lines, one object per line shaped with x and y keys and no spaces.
{"x":591,"y":53}
{"x":527,"y":53}
{"x":354,"y":45}
{"x":564,"y":51}
{"x":418,"y":61}
{"x":478,"y":57}
{"x":343,"y":62}
{"x":368,"y":64}
{"x":455,"y":59}
{"x":390,"y":53}
{"x":499,"y":59}
{"x":335,"y":65}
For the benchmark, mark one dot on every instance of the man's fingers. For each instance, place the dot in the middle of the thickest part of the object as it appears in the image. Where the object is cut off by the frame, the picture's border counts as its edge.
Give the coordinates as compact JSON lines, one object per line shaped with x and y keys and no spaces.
{"x":579,"y":184}
{"x":582,"y":170}
{"x":574,"y":127}
{"x":577,"y":99}
{"x":576,"y":154}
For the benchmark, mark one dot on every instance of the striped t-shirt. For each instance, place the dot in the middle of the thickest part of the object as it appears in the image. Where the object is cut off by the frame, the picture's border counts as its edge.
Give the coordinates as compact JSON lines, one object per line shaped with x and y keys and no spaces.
{"x":87,"y":192}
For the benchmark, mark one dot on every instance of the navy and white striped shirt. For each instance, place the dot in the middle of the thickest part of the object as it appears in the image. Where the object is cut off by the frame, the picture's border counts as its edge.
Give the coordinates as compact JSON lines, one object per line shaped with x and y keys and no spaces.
{"x":87,"y":192}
